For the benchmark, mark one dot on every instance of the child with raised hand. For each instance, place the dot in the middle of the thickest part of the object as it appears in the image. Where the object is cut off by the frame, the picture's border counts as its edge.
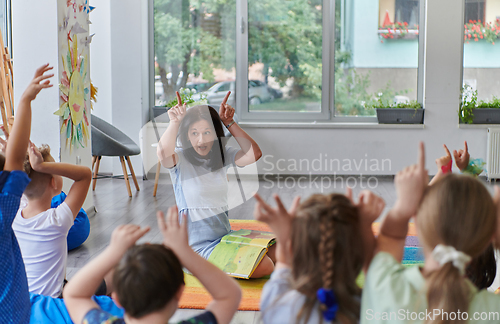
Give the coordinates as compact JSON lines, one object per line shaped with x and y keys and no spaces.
{"x":198,"y":169}
{"x":148,"y":279}
{"x":323,"y":244}
{"x":14,"y":297}
{"x":41,"y":230}
{"x":456,"y":220}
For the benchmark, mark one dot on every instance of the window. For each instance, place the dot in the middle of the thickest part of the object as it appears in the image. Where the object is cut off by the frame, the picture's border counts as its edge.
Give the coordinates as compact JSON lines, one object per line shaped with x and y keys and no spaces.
{"x":474,"y":10}
{"x":481,"y":66}
{"x":194,"y":46}
{"x":370,"y":69}
{"x":5,"y":23}
{"x":319,"y":60}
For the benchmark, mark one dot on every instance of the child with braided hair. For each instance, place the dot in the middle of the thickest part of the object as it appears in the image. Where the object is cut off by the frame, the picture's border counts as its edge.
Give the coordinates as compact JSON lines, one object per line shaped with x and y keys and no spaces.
{"x":322,"y":246}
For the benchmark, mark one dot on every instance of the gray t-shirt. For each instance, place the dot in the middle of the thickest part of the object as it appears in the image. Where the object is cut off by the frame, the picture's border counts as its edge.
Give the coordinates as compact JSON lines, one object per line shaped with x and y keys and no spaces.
{"x":203,"y":195}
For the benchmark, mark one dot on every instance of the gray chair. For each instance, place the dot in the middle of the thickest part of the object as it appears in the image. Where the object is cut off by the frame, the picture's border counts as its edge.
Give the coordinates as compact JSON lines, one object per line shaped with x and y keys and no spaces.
{"x":108,"y":140}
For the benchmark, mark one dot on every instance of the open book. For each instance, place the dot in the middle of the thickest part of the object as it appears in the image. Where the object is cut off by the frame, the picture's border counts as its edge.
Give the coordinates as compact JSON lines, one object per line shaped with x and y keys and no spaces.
{"x":240,"y":252}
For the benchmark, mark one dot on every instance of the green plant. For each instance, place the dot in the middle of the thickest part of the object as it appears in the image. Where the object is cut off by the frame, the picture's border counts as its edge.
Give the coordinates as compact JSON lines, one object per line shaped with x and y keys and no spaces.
{"x":468,"y":101}
{"x":494,"y":103}
{"x":187,"y":98}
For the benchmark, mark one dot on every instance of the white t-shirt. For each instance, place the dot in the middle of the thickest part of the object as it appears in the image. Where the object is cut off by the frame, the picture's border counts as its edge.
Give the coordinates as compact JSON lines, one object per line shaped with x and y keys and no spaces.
{"x":44,"y":247}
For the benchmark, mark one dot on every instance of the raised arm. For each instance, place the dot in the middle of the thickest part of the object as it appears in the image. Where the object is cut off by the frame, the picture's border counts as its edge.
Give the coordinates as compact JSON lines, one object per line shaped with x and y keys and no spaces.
{"x":443,"y":165}
{"x":80,"y":289}
{"x":20,"y":134}
{"x":166,"y":146}
{"x":410,"y":185}
{"x":250,"y":151}
{"x":226,"y":293}
{"x":370,"y":206}
{"x":79,"y":173}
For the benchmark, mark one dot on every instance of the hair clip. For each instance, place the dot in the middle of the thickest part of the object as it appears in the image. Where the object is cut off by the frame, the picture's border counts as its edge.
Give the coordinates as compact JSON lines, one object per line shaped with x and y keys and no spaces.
{"x":329,"y":302}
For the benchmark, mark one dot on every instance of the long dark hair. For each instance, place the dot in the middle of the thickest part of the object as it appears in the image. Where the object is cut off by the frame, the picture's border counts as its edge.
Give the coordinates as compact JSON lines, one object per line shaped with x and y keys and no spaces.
{"x":208,"y":113}
{"x":483,"y":269}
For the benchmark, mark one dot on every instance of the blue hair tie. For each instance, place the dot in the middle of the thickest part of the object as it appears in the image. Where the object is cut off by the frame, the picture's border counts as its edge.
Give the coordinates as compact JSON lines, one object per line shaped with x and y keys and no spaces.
{"x":328,"y":299}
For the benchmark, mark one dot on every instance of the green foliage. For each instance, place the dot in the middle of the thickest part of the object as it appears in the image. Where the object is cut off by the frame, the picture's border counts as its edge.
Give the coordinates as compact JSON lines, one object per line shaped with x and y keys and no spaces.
{"x":379,"y":103}
{"x":468,"y":101}
{"x":187,"y":98}
{"x":494,"y":103}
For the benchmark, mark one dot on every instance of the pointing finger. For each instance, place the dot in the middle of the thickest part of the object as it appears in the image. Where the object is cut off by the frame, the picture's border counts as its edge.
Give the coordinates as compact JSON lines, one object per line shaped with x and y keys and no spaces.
{"x":179,"y":99}
{"x":447,"y":151}
{"x":421,"y":155}
{"x":226,"y":97}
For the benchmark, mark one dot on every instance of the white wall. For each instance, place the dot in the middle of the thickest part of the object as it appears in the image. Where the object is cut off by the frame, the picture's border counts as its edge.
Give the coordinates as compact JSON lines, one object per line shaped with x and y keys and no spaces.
{"x":35,"y":42}
{"x":126,"y":72}
{"x":100,"y":67}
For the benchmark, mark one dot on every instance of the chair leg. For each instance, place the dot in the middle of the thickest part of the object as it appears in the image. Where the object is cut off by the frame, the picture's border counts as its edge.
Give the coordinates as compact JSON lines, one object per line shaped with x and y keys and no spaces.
{"x":132,"y":173}
{"x":125,"y":175}
{"x":96,"y":169}
{"x":157,"y":177}
{"x":93,"y":161}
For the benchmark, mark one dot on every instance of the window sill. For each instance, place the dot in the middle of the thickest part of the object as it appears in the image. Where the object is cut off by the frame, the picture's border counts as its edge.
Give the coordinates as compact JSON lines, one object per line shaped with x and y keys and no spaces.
{"x":319,"y":125}
{"x":477,"y":126}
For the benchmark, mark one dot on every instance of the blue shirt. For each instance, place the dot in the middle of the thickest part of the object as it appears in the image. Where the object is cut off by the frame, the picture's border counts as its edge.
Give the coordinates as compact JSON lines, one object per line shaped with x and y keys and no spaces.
{"x":98,"y":316}
{"x":14,"y":296}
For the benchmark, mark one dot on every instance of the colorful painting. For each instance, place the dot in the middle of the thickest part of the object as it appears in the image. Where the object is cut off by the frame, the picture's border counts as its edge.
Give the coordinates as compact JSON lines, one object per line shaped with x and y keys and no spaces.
{"x":76,"y":90}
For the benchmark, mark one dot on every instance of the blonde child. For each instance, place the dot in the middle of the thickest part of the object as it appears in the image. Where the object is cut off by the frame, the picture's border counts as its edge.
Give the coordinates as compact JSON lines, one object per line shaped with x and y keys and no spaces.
{"x":148,"y":279}
{"x":14,"y":297}
{"x":322,"y":246}
{"x":456,"y":220}
{"x":41,"y":230}
{"x":198,"y":169}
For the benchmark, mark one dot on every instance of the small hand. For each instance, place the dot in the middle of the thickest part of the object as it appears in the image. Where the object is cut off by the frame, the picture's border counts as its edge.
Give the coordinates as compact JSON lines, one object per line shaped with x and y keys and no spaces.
{"x":125,"y":236}
{"x":370,"y":206}
{"x":445,"y":159}
{"x":177,"y":113}
{"x":36,"y":85}
{"x":462,"y":157}
{"x":410,"y":184}
{"x":279,"y":219}
{"x":226,"y":112}
{"x":36,"y":158}
{"x":175,"y":235}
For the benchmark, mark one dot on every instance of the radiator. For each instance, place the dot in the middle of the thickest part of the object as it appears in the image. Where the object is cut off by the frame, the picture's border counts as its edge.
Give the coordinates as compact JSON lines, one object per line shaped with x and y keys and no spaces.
{"x":493,"y":154}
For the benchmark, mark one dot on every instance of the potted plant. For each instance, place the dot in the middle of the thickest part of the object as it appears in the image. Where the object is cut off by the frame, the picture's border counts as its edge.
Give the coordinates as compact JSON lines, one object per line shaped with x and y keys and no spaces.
{"x":472,"y":112}
{"x":405,"y":112}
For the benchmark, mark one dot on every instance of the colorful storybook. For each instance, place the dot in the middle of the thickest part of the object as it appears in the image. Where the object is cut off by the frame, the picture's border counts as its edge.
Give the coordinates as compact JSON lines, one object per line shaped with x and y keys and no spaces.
{"x":239,"y":253}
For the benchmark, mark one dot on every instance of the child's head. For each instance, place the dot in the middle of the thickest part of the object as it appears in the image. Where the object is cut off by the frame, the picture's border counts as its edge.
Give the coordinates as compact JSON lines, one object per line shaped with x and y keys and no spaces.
{"x":456,"y":211}
{"x":202,"y":136}
{"x":147,"y":279}
{"x":328,"y":252}
{"x":41,"y":183}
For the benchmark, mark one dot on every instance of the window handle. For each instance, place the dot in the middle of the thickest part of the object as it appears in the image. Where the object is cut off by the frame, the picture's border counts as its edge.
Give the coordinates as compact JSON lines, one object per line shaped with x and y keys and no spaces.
{"x":242,"y":25}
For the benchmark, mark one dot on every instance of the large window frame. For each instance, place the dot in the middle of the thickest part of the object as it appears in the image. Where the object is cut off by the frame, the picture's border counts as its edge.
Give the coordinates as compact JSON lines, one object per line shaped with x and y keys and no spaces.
{"x":327,"y":113}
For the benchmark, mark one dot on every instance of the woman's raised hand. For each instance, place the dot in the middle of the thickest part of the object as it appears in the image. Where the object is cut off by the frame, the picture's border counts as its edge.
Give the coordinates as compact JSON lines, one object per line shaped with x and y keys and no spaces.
{"x":177,"y":113}
{"x":226,"y":112}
